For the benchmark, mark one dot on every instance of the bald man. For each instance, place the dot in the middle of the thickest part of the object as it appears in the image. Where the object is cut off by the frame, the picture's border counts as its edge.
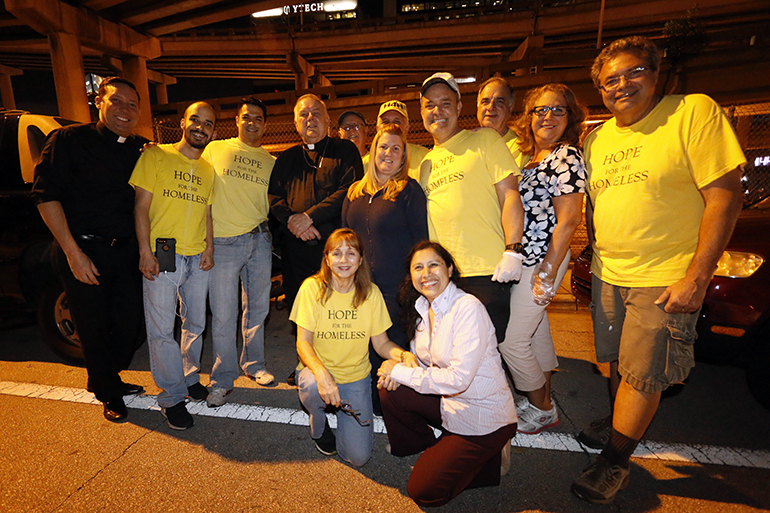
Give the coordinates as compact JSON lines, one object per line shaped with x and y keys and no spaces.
{"x":173,"y":217}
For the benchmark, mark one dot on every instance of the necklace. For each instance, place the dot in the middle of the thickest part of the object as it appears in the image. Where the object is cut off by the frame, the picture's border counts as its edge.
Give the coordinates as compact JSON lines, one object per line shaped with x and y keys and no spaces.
{"x":309,"y":161}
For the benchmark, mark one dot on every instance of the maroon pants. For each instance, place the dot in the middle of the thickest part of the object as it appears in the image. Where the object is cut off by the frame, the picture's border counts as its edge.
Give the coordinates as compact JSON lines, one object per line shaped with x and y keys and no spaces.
{"x":449,"y":464}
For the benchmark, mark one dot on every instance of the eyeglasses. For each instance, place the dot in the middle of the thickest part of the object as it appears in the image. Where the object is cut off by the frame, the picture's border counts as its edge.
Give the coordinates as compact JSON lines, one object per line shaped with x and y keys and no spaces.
{"x":347,"y":408}
{"x":542,"y":110}
{"x":613,"y":83}
{"x":348,"y":128}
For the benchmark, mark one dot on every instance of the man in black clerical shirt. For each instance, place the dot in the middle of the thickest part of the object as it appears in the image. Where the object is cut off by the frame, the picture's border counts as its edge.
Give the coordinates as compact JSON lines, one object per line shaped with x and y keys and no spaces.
{"x":307,"y":187}
{"x":82,"y":191}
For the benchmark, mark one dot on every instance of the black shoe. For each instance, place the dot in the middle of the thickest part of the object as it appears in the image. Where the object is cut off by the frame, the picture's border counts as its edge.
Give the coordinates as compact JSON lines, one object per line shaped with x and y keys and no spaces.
{"x":178,"y":417}
{"x":197,"y":392}
{"x":292,"y":379}
{"x":597,"y":434}
{"x":600,"y":482}
{"x":131,"y":389}
{"x":115,"y":410}
{"x":327,"y":444}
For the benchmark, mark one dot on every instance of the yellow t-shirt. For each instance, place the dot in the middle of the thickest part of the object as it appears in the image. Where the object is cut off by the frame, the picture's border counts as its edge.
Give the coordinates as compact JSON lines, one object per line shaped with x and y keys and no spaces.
{"x":341,"y":333}
{"x":458,"y":178}
{"x":240,"y":194}
{"x":416,"y":154}
{"x":643,"y":184}
{"x":510,"y":140}
{"x":181,"y":189}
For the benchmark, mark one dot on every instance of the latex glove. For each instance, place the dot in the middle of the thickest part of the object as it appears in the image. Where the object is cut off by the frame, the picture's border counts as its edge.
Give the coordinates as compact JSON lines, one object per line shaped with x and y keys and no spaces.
{"x":509,"y":267}
{"x":543,"y":286}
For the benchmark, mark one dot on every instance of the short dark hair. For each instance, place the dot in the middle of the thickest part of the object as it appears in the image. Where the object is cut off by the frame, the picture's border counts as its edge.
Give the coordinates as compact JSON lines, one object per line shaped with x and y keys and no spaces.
{"x":636,"y":45}
{"x":252,"y":100}
{"x":112,"y":81}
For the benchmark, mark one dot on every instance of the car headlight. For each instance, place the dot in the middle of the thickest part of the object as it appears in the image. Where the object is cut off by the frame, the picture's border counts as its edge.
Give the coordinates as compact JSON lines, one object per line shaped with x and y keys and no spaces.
{"x":736,"y":264}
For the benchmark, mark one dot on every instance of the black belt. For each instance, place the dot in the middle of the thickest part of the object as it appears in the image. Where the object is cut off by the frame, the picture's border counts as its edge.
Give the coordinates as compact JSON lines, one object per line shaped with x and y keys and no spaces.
{"x":261,"y":228}
{"x":119,"y":241}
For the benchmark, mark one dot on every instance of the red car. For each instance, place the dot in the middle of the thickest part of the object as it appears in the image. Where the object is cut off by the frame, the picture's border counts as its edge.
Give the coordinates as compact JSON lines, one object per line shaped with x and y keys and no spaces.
{"x":733,"y":327}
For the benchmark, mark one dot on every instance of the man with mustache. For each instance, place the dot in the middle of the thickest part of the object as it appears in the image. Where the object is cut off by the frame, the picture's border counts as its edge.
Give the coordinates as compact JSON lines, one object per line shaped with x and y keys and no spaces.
{"x":81,"y":185}
{"x":174,"y":189}
{"x":664,"y":194}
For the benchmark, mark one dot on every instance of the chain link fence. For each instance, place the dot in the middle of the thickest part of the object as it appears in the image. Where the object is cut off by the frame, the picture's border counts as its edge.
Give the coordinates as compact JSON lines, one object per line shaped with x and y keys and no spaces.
{"x":750,"y":121}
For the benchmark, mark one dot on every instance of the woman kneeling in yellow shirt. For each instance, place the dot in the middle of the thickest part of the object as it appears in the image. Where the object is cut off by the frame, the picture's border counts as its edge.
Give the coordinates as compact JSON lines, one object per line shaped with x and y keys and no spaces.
{"x":337,"y":311}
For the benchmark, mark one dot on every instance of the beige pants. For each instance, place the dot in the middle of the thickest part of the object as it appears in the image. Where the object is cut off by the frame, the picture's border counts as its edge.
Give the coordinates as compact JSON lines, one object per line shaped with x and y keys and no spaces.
{"x":528,"y":347}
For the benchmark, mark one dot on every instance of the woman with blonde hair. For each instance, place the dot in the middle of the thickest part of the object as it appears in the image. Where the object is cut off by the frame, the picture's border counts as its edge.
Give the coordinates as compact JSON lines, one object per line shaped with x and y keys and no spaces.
{"x":552,"y":186}
{"x":337,"y":311}
{"x":387,"y":210}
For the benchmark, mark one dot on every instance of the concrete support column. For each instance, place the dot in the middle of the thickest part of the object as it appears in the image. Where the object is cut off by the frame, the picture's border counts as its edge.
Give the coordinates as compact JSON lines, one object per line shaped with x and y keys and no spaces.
{"x":301,"y":82}
{"x":161,"y":91}
{"x":135,"y":70}
{"x":69,"y":77}
{"x":6,"y":92}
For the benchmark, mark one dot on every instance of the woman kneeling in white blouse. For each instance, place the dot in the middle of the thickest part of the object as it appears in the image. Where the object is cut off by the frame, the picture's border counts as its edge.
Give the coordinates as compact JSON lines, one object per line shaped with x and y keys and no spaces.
{"x":458,"y":388}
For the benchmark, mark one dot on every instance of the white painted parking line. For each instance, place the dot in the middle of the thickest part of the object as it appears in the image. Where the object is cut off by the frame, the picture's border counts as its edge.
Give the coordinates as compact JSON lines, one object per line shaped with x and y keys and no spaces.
{"x":705,"y":454}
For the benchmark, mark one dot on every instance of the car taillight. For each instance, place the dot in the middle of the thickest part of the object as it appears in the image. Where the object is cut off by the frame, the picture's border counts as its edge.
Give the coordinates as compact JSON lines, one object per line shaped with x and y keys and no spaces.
{"x":736,"y":264}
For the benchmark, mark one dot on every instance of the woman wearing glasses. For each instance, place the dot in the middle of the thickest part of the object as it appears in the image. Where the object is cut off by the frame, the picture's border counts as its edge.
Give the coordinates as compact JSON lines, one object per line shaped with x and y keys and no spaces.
{"x":551,"y":188}
{"x":459,"y":386}
{"x":387,"y":210}
{"x":337,"y":311}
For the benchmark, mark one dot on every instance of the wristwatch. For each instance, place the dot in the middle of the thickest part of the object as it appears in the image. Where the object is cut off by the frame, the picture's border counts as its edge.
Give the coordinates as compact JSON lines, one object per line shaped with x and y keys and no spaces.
{"x":516,"y":248}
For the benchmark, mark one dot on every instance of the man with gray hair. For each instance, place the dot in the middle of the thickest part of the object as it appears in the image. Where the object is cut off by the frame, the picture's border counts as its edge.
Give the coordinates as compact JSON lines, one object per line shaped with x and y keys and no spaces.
{"x":494,"y":107}
{"x":307,"y":187}
{"x":664,"y":195}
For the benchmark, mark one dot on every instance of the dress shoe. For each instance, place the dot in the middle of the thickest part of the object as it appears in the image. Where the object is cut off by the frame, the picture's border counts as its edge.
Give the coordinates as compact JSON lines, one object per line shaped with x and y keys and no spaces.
{"x":115,"y":410}
{"x":131,"y":389}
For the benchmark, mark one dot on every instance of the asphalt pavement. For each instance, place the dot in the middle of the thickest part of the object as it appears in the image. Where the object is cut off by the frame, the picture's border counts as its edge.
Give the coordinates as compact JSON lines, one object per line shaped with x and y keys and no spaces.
{"x":708,"y":448}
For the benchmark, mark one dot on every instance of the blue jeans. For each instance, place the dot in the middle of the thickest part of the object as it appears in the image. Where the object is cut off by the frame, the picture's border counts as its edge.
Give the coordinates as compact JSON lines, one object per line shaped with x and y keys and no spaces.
{"x":354,"y":442}
{"x":246,"y":258}
{"x":174,"y":370}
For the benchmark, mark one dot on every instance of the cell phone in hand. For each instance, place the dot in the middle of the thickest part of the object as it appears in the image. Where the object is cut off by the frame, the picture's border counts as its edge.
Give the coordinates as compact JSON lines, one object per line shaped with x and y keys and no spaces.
{"x":165,"y":252}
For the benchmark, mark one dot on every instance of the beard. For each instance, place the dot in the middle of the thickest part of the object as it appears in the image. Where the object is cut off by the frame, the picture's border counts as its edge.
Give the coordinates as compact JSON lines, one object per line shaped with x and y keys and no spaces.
{"x":195,"y":143}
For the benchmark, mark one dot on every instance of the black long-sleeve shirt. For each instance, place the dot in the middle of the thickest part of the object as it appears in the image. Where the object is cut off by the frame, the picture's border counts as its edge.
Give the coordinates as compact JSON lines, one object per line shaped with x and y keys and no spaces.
{"x":86,"y":169}
{"x":314,"y":182}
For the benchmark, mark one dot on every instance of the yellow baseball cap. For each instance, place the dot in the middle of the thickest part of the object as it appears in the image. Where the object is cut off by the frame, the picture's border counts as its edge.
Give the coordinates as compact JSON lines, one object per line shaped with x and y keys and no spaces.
{"x":396,"y":105}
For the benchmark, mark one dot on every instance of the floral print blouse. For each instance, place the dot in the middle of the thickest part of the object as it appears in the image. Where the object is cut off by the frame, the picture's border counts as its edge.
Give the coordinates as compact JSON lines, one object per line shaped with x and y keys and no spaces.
{"x":561,"y":172}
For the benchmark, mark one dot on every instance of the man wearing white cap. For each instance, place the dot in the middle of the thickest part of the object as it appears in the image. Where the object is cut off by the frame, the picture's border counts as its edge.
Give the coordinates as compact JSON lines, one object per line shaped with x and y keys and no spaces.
{"x":394,"y":113}
{"x":474,"y":208}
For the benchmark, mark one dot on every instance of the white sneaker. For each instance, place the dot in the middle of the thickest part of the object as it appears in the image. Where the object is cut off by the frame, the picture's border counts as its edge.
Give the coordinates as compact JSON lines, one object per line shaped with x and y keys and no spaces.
{"x":521,"y":406}
{"x":534,"y":420}
{"x":217,"y":397}
{"x":263,"y":377}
